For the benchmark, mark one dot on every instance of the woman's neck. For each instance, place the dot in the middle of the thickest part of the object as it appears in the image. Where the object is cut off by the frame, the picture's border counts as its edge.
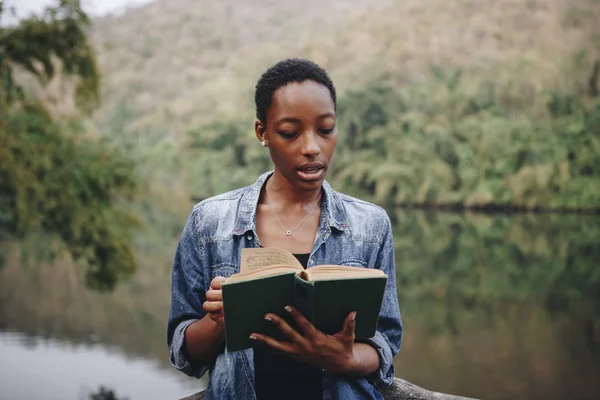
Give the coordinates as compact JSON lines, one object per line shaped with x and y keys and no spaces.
{"x":279,"y":191}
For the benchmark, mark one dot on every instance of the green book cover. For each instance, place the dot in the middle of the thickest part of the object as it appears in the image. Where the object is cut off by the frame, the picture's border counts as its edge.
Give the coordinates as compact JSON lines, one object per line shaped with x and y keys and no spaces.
{"x":304,"y":297}
{"x":246,"y":303}
{"x":334,"y":299}
{"x":323,"y":294}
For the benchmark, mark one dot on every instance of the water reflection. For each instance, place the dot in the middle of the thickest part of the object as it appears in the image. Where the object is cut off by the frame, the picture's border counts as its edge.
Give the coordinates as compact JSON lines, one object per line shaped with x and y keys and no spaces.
{"x":494,"y":307}
{"x":105,"y":394}
{"x":500,"y":306}
{"x":33,"y":368}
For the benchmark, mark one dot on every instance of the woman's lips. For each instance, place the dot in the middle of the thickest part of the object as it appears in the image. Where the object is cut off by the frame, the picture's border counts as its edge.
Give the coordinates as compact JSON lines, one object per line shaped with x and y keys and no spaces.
{"x":311,"y":173}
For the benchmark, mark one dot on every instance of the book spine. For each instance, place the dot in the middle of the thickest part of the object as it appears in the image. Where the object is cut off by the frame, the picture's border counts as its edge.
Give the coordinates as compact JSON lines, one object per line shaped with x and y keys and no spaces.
{"x":304,"y":298}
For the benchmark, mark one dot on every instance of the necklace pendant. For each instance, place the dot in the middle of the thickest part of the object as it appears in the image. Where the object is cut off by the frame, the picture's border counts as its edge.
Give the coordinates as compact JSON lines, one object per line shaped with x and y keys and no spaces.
{"x":289,"y":233}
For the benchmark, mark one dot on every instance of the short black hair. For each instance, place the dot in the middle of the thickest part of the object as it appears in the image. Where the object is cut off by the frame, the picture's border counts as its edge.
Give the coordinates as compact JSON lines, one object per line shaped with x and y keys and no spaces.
{"x":283,"y":73}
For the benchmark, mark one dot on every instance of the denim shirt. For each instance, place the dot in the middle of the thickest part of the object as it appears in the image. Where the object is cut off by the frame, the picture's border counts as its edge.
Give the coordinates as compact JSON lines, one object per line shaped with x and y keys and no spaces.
{"x":351,"y":232}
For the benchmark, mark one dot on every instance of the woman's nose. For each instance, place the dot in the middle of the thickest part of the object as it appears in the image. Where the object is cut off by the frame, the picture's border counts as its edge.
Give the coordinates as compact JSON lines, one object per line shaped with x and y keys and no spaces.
{"x":310,"y":145}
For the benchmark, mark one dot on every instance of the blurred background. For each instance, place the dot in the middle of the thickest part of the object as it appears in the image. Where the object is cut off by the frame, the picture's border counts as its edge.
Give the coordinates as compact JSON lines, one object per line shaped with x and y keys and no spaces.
{"x":475,"y":123}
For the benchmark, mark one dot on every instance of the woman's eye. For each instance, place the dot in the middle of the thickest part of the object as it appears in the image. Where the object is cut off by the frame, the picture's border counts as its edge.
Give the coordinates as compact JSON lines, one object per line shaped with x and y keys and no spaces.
{"x":327,"y":131}
{"x":287,"y":135}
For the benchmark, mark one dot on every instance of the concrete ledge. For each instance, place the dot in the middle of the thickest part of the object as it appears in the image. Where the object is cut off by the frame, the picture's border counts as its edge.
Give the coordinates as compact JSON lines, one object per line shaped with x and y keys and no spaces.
{"x":400,"y":390}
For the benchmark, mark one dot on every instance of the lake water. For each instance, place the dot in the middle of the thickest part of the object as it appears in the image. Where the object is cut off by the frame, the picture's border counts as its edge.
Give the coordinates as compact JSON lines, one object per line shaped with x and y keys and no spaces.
{"x":35,"y":368}
{"x":494,"y":307}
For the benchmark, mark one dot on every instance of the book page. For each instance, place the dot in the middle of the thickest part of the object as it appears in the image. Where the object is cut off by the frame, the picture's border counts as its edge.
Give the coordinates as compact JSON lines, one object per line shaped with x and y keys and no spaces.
{"x":254,"y":259}
{"x":260,"y":273}
{"x":330,"y":272}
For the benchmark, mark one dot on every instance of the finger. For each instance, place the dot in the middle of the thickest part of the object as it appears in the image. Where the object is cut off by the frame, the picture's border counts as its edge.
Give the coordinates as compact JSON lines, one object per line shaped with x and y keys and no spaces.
{"x":213,"y":306}
{"x":284,"y":347}
{"x":349,"y":326}
{"x":219,"y":319}
{"x":304,"y":324}
{"x":292,"y":334}
{"x":217,"y":283}
{"x":214,"y":295}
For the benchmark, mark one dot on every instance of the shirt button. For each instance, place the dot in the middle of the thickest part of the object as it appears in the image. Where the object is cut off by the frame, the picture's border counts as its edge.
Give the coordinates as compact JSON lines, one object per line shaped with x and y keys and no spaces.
{"x":249,"y":237}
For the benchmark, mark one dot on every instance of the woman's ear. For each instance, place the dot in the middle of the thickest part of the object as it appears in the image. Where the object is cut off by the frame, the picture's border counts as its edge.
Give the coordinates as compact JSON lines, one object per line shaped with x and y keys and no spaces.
{"x":261,"y":132}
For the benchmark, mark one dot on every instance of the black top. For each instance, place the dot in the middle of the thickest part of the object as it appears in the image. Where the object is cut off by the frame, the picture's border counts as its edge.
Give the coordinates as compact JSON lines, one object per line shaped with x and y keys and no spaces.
{"x":279,"y":376}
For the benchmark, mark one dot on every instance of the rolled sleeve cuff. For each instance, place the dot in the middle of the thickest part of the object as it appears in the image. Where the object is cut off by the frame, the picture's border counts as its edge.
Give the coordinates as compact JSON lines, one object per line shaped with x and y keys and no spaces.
{"x":384,"y":376}
{"x":178,"y":355}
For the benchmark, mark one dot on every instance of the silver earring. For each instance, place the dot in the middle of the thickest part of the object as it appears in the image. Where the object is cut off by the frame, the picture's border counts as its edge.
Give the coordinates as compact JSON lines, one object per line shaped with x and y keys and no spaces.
{"x":264,"y":143}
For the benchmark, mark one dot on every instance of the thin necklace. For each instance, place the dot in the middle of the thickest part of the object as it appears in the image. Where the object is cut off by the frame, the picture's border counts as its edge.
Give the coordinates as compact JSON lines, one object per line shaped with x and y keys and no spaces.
{"x":289,"y":232}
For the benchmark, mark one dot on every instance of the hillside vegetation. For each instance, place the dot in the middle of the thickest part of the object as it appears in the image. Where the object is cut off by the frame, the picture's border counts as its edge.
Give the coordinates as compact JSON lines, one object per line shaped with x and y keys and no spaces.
{"x":54,"y":177}
{"x":472,"y":102}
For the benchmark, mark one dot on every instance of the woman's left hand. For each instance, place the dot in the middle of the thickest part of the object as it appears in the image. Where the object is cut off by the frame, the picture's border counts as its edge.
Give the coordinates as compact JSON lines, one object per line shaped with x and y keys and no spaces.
{"x":335,"y":353}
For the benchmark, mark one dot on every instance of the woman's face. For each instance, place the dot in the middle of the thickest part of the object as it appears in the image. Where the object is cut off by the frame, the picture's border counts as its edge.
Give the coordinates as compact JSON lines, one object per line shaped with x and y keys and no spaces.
{"x":301,"y":133}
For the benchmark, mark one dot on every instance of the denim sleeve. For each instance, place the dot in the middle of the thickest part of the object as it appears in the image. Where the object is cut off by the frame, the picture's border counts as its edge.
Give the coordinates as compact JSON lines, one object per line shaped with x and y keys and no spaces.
{"x":388,"y":336}
{"x":187,"y":296}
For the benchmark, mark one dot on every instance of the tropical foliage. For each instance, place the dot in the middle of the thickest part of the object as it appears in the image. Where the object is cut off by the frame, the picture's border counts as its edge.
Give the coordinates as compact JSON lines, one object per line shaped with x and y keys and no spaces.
{"x":54,"y":176}
{"x":455,"y":141}
{"x":448,"y":141}
{"x":505,"y":119}
{"x":508,"y":118}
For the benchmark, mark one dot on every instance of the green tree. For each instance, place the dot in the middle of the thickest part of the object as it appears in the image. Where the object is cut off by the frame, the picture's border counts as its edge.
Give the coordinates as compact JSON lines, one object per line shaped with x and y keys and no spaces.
{"x":55,"y":177}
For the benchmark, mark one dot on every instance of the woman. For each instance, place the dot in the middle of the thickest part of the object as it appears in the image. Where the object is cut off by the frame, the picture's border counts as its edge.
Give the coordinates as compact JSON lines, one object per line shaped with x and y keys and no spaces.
{"x":293,"y":208}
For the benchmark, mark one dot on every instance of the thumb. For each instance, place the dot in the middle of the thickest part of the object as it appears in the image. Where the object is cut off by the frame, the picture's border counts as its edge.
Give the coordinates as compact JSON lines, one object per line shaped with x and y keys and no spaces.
{"x":217,"y":283}
{"x":349,"y":326}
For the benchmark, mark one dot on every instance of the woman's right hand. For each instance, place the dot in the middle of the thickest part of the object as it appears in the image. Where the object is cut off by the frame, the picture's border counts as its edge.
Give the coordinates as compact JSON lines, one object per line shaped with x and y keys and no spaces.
{"x":205,"y":338}
{"x":214,"y":301}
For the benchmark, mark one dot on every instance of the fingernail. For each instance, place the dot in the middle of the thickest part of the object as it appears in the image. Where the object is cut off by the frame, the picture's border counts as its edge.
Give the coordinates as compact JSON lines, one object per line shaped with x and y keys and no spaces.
{"x":252,"y":337}
{"x":268,"y":318}
{"x":288,"y":308}
{"x":354,"y":316}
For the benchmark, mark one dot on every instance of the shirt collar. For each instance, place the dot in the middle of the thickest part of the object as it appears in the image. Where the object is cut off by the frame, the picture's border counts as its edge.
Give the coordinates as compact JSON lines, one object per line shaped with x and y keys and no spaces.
{"x":332,"y":215}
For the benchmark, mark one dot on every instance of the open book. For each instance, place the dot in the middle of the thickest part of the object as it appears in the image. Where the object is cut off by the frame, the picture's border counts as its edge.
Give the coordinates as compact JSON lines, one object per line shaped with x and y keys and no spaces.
{"x":271,"y":278}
